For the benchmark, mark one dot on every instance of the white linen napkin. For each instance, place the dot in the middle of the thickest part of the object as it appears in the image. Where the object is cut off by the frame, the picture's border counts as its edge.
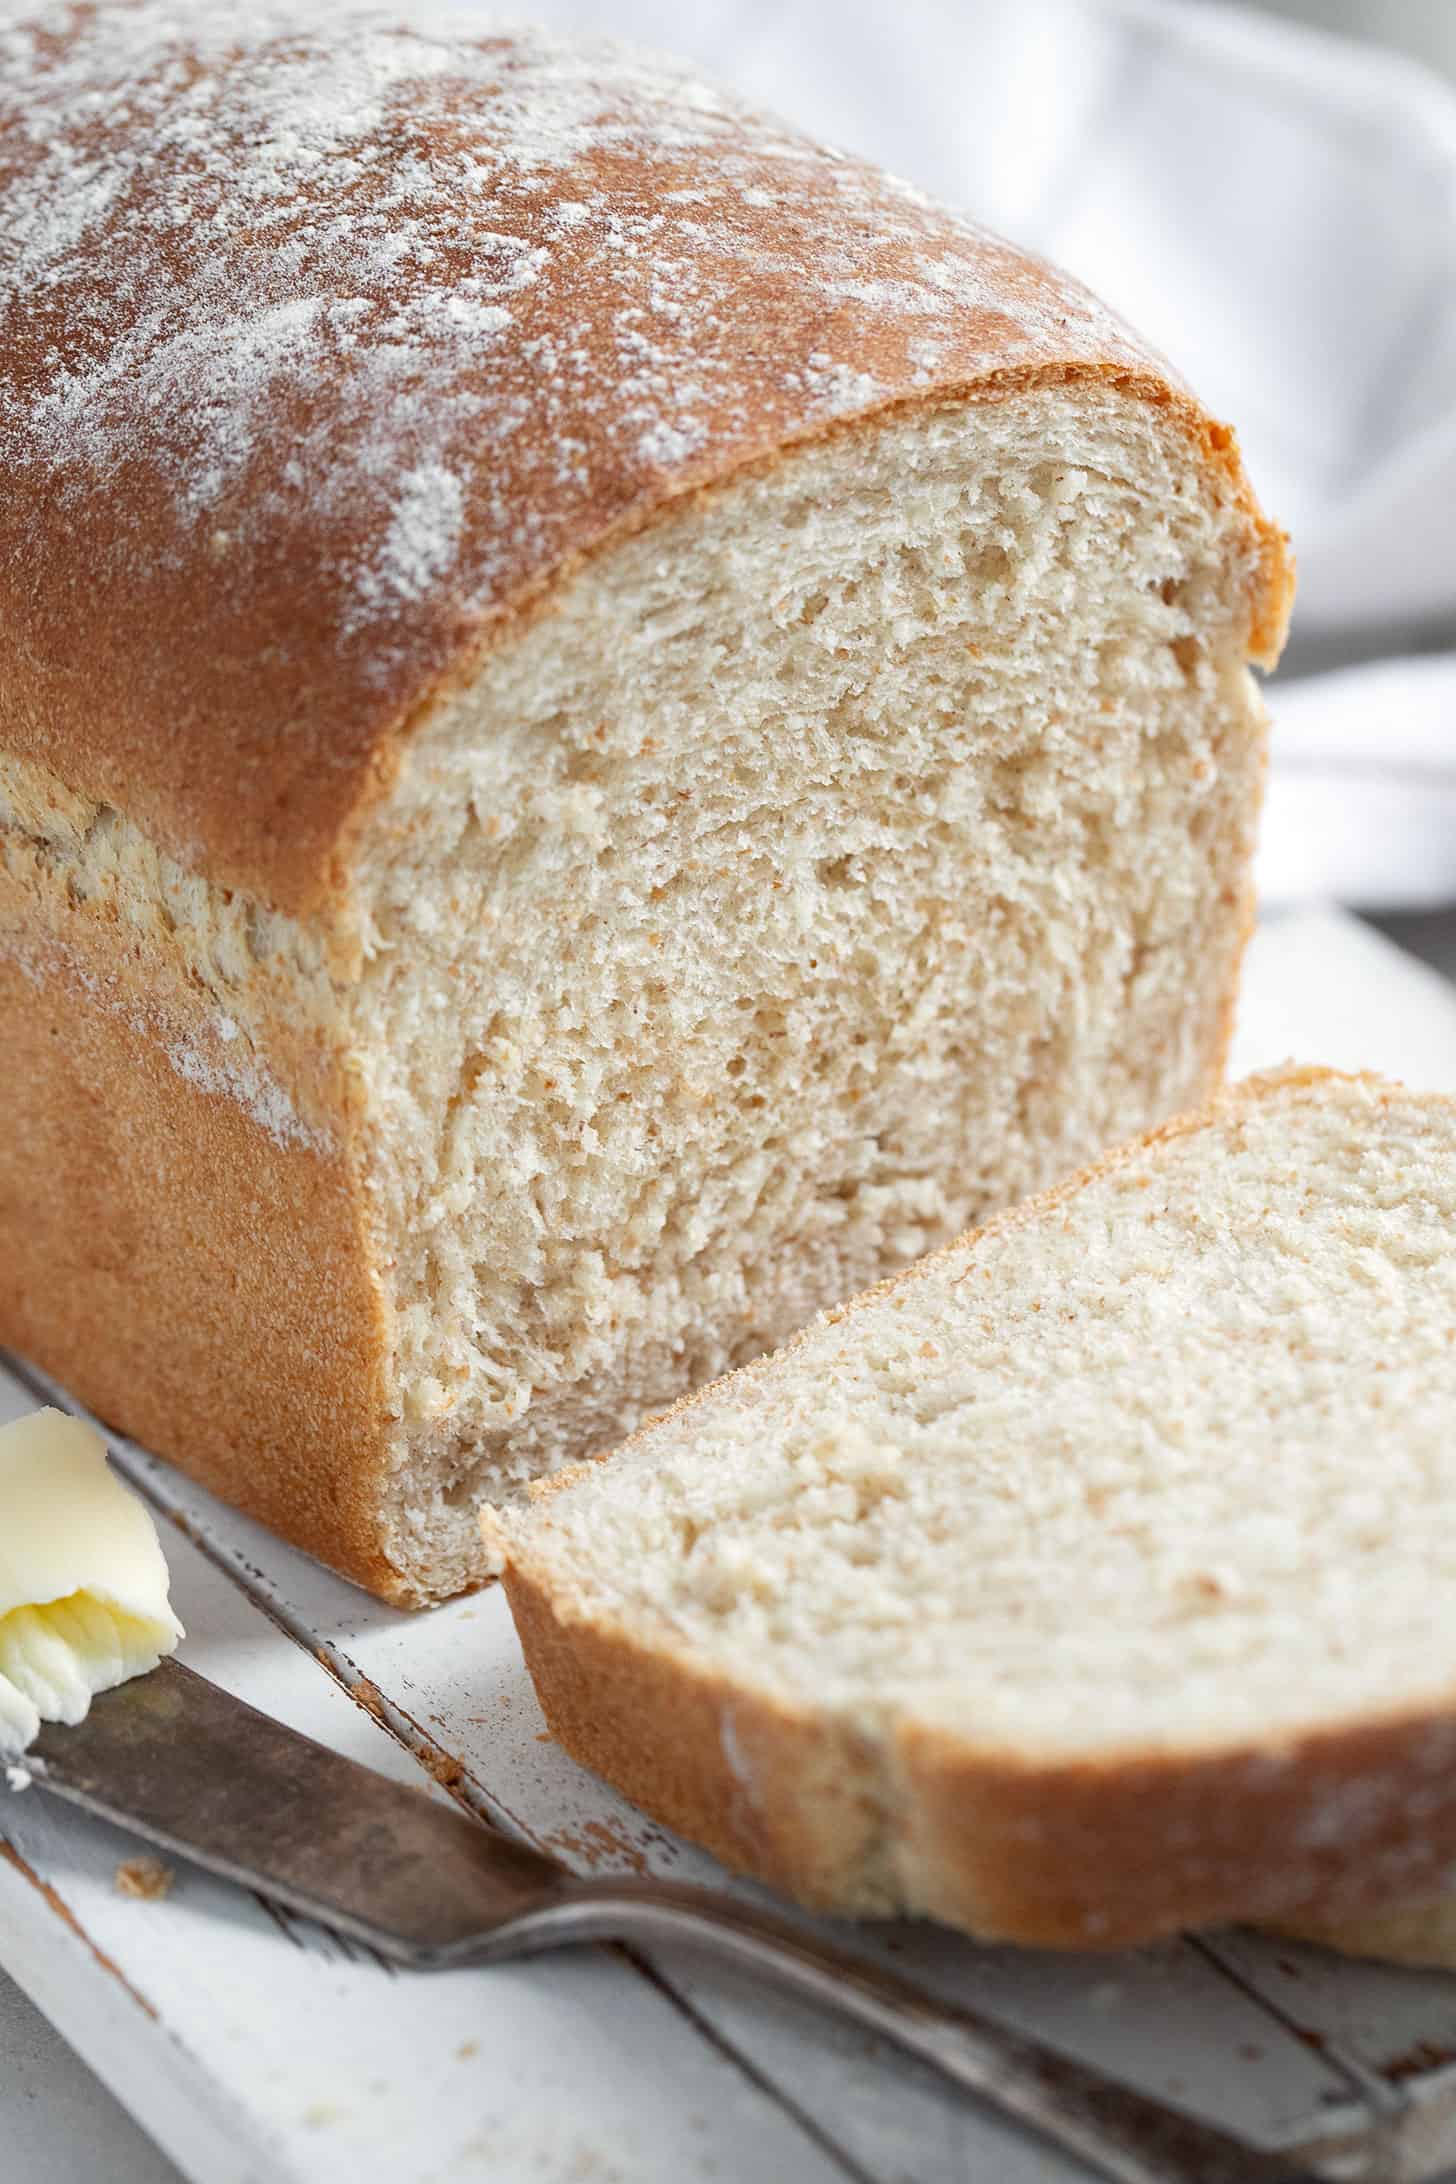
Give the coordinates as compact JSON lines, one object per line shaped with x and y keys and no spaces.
{"x":1361,"y":803}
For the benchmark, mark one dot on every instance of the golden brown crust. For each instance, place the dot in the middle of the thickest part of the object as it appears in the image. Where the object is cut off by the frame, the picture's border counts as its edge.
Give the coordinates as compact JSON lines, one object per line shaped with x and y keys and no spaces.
{"x":770,"y":1790}
{"x":1052,"y":1854}
{"x":306,"y":474}
{"x":111,"y":1112}
{"x":1108,"y":1856}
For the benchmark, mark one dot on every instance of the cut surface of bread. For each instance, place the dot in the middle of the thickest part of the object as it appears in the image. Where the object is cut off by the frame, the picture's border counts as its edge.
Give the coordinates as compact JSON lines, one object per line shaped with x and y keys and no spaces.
{"x":791,"y":920}
{"x":1087,"y":1581}
{"x":583,"y":819}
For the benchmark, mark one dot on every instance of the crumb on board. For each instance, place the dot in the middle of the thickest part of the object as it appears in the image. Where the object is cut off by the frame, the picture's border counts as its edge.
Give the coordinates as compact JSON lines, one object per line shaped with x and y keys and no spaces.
{"x":1424,"y":2055}
{"x":145,"y":1879}
{"x":597,"y":1844}
{"x":370,"y":1697}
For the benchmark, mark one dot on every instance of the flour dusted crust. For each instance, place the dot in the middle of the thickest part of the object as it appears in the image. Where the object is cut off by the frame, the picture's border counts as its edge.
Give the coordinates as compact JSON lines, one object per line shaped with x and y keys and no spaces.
{"x":337,"y":352}
{"x":1309,"y":1833}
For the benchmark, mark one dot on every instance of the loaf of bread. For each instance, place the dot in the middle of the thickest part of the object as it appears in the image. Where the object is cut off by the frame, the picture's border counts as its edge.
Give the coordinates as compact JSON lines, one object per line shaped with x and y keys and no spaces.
{"x":611,"y":725}
{"x":1081,"y":1584}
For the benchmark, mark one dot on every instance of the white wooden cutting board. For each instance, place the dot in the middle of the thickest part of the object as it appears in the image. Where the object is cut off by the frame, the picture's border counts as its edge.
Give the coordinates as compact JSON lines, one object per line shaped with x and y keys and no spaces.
{"x":260,"y":2050}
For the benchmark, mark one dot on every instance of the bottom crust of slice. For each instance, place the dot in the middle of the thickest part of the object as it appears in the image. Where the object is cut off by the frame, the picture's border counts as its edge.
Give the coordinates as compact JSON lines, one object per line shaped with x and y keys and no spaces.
{"x":1060,"y":1856}
{"x":788,"y":1796}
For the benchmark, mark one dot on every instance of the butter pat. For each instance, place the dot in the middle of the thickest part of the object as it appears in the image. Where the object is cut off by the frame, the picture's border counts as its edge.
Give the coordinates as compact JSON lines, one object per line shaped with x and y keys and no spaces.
{"x":83,"y":1581}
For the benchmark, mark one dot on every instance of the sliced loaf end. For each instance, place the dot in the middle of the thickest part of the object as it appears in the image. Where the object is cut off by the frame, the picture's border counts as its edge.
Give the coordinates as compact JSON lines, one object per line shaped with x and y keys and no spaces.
{"x":1073,"y":1586}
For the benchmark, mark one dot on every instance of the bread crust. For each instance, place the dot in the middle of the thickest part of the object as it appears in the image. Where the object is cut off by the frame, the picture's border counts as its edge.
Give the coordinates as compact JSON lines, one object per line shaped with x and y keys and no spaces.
{"x":1056,"y":1854}
{"x":251,"y":660}
{"x":268,"y":1381}
{"x":771,"y":1790}
{"x":1053,"y":1856}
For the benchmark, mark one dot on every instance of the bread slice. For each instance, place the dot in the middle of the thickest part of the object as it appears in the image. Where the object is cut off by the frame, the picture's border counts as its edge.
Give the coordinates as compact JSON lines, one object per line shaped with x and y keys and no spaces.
{"x":609,"y":726}
{"x":1085,"y":1582}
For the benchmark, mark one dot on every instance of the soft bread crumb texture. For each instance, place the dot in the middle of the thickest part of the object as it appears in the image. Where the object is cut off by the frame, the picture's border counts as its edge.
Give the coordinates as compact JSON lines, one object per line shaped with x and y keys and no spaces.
{"x":1156,"y":1472}
{"x":847,"y":857}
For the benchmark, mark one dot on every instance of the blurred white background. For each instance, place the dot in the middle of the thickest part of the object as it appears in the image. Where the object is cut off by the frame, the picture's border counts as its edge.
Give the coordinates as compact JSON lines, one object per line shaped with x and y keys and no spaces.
{"x":1425,"y":28}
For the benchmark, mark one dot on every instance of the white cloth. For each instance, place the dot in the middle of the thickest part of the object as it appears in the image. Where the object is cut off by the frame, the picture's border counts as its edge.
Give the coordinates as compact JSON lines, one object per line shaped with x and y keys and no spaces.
{"x":1362,"y":793}
{"x":1277,"y":209}
{"x":1321,"y":986}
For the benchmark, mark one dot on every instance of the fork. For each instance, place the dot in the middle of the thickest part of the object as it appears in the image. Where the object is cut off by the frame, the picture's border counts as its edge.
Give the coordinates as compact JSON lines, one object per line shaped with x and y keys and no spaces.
{"x":428,"y":1885}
